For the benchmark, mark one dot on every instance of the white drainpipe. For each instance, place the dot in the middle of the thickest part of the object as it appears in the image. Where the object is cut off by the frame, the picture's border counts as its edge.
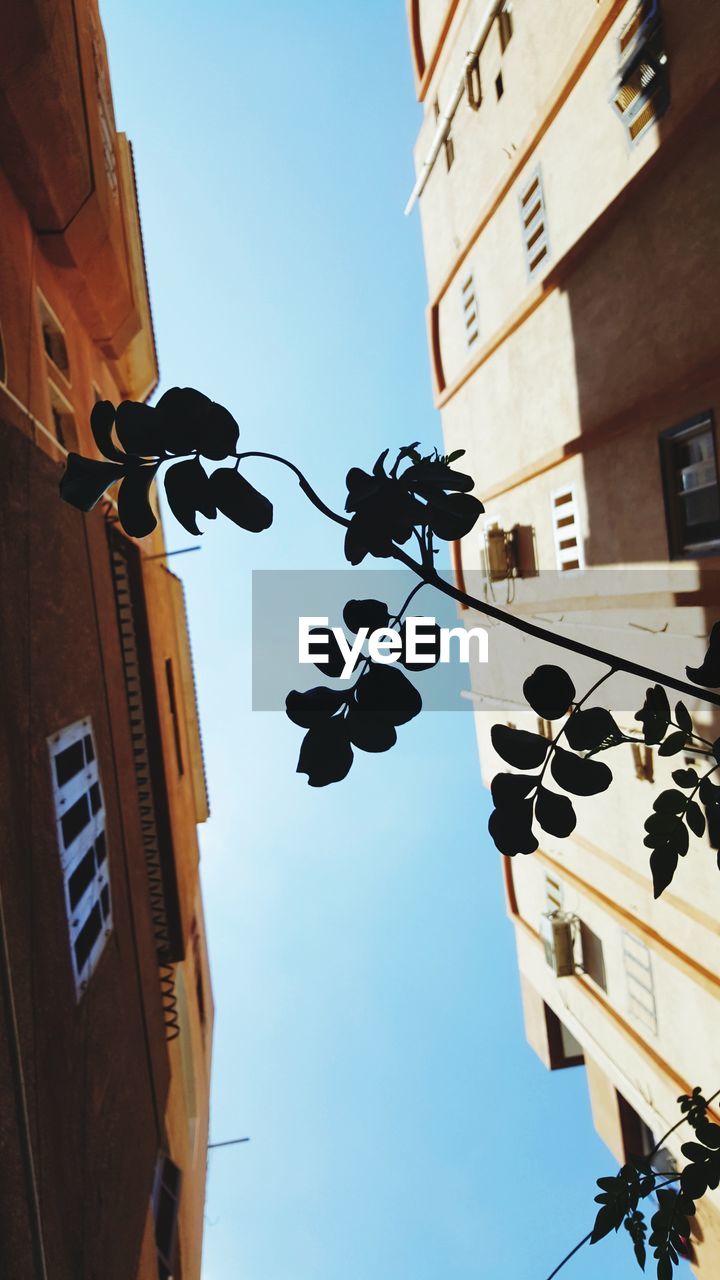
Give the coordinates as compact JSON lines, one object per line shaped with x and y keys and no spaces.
{"x":446,"y":118}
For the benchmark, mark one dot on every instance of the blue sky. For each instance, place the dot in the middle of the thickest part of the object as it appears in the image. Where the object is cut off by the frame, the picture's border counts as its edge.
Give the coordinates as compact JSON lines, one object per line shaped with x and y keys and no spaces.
{"x":368,"y":1028}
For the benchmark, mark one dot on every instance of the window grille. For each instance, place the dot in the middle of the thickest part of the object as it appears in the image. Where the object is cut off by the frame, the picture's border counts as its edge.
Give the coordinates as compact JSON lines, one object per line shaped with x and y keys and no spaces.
{"x":82,"y":842}
{"x":569,"y":552}
{"x":534,"y":224}
{"x":641,"y":94}
{"x":470,"y":311}
{"x":639,"y":979}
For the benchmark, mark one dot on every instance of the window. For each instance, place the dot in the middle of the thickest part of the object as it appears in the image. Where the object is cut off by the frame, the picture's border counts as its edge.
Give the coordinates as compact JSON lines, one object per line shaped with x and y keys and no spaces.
{"x":470,"y":311}
{"x":563,"y":1049}
{"x":165,"y":1201}
{"x":639,"y":979}
{"x":566,"y":530}
{"x":170,"y":681}
{"x":63,"y":419}
{"x":592,"y":956}
{"x":80,"y":817}
{"x":53,"y":337}
{"x":534,"y":224}
{"x":505,"y":23}
{"x":642,"y":92}
{"x":690,"y":478}
{"x":449,"y":144}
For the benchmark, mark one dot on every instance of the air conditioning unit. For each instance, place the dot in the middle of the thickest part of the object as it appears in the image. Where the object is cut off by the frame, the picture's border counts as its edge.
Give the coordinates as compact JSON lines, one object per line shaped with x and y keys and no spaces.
{"x":557,"y":933}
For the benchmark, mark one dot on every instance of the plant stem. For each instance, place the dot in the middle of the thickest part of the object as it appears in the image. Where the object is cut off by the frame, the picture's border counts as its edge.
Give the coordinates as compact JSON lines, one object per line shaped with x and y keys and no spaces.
{"x":570,"y":1255}
{"x":430,"y":575}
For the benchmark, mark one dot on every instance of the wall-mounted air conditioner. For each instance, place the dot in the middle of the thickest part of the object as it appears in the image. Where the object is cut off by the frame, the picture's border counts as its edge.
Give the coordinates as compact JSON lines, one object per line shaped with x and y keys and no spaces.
{"x":557,"y":931}
{"x":508,"y":553}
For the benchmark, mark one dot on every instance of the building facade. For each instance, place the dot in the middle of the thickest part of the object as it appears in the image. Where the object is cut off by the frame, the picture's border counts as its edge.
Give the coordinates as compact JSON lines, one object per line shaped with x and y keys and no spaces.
{"x":105,"y":996}
{"x":568,"y":179}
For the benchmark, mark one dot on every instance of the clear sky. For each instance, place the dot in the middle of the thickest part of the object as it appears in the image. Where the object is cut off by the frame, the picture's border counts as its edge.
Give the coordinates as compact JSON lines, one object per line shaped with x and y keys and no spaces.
{"x":368,"y":1028}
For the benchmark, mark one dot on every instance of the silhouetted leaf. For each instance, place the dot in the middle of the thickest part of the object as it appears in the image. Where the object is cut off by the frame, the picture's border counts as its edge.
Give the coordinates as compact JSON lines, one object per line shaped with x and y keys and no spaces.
{"x":370,"y":732}
{"x":138,"y":429}
{"x":695,"y":819}
{"x":635,"y":1225}
{"x":508,"y":788}
{"x":333,"y":664}
{"x":372,"y":614}
{"x":685,"y":777}
{"x":519,"y":748}
{"x":579,"y":776}
{"x":430,"y":478}
{"x":709,"y":793}
{"x":326,"y":754}
{"x":134,"y":510}
{"x":555,"y":813}
{"x":664,"y":864}
{"x":654,"y":715}
{"x":191,"y":421}
{"x":586,"y":730}
{"x":669,"y":801}
{"x":313,"y":705}
{"x":85,"y":480}
{"x":683,"y":718}
{"x":511,"y":829}
{"x":708,"y":673}
{"x":187,"y":489}
{"x":452,"y":516}
{"x":386,"y":691}
{"x":240,"y":501}
{"x":550,"y":691}
{"x":102,"y":417}
{"x":674,"y":743}
{"x":427,"y":644}
{"x":618,"y":1197}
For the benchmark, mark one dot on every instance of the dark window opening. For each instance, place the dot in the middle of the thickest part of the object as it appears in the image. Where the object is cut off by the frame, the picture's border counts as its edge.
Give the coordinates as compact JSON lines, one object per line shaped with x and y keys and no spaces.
{"x":692,"y":493}
{"x":170,"y":679}
{"x":63,"y":423}
{"x":54,"y":339}
{"x":592,"y":956}
{"x":81,"y":877}
{"x":166,"y":1194}
{"x":68,"y":763}
{"x":100,"y":849}
{"x":197,"y":959}
{"x":88,"y":936}
{"x":75,"y":820}
{"x":95,"y":797}
{"x":564,"y":1049}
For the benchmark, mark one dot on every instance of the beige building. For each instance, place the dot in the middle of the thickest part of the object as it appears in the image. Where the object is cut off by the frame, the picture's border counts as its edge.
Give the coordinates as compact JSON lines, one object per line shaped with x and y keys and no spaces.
{"x":568,"y":178}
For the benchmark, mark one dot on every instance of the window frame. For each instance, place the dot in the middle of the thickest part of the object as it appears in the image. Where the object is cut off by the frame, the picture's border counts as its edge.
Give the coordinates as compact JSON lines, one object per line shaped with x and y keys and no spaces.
{"x":563,"y":553}
{"x":677,"y":549}
{"x":50,"y":322}
{"x":86,"y":887}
